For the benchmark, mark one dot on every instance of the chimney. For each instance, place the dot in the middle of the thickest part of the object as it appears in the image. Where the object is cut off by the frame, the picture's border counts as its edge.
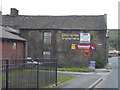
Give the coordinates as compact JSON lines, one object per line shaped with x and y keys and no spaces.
{"x":14,"y":12}
{"x":105,"y":18}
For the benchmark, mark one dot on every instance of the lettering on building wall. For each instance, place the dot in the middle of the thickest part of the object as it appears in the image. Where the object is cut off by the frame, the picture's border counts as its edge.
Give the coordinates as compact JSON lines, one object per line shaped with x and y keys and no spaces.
{"x":70,"y":36}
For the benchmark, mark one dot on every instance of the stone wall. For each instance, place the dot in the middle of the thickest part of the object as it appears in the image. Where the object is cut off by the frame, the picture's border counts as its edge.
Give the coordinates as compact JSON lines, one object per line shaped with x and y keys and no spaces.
{"x":61,"y":48}
{"x":70,"y":58}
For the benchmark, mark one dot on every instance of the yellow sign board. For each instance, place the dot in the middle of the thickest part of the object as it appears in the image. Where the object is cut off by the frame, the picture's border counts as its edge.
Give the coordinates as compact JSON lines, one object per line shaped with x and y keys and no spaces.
{"x":73,"y":46}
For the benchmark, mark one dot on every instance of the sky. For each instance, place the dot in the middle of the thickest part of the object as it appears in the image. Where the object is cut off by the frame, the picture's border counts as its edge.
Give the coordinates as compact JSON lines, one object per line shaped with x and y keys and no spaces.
{"x":65,"y":7}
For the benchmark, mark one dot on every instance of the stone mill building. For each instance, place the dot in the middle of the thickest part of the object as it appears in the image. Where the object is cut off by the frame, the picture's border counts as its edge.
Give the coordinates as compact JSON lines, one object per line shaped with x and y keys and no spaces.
{"x":73,"y":40}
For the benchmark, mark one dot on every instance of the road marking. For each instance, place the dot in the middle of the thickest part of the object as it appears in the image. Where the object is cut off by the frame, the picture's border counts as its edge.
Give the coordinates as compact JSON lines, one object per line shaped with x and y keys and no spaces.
{"x":95,"y":83}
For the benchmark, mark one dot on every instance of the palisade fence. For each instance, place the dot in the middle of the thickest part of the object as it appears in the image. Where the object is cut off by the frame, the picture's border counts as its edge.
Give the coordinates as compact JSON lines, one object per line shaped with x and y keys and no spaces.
{"x":23,"y":74}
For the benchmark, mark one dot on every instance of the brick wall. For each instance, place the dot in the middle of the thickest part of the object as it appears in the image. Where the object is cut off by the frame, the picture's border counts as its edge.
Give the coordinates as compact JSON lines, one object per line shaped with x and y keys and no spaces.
{"x":13,"y":49}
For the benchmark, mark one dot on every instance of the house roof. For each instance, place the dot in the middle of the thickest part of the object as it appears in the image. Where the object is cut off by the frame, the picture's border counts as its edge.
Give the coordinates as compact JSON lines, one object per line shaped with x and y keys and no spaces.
{"x":7,"y":35}
{"x":9,"y":29}
{"x":97,"y":22}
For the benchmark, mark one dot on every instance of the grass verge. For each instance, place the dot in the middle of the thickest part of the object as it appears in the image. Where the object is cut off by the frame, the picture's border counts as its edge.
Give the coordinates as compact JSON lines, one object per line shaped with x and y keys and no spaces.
{"x":62,"y":79}
{"x":84,"y":69}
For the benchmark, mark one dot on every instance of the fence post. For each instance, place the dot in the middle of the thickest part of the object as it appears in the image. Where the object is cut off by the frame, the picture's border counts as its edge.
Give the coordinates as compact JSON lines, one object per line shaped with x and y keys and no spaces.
{"x":37,"y":75}
{"x":56,"y":71}
{"x":7,"y":66}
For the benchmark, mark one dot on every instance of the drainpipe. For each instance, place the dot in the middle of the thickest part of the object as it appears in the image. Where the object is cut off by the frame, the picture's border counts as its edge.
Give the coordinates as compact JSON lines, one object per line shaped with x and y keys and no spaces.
{"x":26,"y":49}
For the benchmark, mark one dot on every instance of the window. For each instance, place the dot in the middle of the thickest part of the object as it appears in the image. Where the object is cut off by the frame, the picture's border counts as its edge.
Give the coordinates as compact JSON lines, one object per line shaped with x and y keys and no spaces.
{"x":46,"y":54}
{"x":47,"y":38}
{"x":14,"y":46}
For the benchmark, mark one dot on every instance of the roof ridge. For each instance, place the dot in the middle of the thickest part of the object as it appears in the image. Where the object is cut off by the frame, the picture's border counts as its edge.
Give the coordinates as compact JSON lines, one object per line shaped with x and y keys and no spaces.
{"x":57,"y":15}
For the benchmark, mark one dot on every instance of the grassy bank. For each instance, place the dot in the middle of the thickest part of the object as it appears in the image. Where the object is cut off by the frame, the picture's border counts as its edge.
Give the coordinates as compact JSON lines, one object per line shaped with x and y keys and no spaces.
{"x":62,"y":79}
{"x":84,"y":69}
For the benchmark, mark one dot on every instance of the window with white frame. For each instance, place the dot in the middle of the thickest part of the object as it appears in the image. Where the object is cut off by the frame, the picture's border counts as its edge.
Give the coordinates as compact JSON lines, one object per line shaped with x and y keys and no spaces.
{"x":47,"y":38}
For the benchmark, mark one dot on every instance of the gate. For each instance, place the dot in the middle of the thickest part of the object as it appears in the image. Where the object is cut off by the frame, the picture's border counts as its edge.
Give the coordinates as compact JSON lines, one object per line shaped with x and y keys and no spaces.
{"x":32,"y":73}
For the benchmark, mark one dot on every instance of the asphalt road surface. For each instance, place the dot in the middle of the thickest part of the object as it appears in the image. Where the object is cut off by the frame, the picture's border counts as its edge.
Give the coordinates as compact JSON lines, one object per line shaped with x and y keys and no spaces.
{"x":110,"y":80}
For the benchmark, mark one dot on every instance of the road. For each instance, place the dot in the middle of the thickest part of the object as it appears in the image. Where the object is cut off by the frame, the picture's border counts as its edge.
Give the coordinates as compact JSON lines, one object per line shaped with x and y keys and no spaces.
{"x":110,"y":80}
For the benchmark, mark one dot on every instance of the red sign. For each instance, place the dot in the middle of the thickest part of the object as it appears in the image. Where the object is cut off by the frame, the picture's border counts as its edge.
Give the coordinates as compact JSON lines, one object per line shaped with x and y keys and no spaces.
{"x":93,"y":47}
{"x":86,"y":53}
{"x":85,"y":46}
{"x":82,"y":46}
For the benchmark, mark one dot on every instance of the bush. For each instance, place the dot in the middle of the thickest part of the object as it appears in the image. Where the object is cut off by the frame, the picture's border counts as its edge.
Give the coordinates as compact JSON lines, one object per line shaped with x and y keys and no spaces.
{"x":99,"y":62}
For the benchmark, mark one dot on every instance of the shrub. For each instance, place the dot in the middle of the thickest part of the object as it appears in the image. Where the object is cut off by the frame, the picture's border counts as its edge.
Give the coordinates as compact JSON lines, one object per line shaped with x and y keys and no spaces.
{"x":99,"y":62}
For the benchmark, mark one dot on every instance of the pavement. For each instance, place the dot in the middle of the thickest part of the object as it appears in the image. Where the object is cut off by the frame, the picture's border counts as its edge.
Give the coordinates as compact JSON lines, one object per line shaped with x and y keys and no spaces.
{"x":111,"y":80}
{"x":84,"y":79}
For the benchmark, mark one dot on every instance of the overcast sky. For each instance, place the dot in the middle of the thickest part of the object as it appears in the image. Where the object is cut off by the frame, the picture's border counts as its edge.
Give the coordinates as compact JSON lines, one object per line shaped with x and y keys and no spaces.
{"x":65,"y":7}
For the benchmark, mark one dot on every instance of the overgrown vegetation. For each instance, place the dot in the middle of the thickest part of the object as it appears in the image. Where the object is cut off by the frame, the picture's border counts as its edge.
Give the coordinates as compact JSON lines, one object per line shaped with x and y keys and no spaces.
{"x":84,"y":69}
{"x":99,"y":62}
{"x":113,"y":40}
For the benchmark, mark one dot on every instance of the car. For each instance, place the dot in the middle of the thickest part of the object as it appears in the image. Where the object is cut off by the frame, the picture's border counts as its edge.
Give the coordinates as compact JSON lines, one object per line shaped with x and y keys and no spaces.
{"x":33,"y":62}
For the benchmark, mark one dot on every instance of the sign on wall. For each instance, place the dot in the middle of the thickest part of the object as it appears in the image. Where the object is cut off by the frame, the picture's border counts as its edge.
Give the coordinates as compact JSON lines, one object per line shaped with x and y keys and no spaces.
{"x":86,"y":53}
{"x":84,"y":37}
{"x":70,"y":36}
{"x":93,"y":47}
{"x":73,"y":46}
{"x":85,"y":46}
{"x":92,"y":65}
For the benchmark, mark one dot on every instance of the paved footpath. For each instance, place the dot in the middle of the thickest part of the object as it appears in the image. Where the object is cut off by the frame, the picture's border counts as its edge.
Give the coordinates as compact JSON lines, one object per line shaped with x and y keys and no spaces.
{"x":84,"y":80}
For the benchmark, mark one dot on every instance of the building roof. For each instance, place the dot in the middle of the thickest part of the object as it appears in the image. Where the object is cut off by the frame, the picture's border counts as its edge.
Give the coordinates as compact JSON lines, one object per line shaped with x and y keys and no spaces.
{"x":96,"y":22}
{"x":9,"y":29}
{"x":7,"y":35}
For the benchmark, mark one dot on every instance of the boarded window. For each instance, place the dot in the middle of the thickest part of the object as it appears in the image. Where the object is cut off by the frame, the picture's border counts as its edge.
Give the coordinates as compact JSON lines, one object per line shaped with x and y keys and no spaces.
{"x":46,"y":54}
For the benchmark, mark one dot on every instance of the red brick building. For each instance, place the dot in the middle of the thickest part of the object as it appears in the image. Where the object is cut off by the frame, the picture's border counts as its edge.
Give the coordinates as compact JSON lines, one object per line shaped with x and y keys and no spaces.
{"x":13,"y":46}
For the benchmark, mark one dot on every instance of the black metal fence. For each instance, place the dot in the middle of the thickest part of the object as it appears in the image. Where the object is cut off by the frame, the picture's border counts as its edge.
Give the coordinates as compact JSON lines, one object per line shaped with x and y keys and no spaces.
{"x":32,"y":73}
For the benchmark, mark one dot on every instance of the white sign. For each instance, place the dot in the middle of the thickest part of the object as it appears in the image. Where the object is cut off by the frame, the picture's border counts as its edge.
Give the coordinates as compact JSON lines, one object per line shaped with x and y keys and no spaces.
{"x":92,"y":65}
{"x":84,"y":37}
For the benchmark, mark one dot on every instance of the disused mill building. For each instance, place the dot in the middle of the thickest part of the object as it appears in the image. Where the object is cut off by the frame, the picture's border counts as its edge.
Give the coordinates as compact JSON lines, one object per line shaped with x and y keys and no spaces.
{"x":73,"y":40}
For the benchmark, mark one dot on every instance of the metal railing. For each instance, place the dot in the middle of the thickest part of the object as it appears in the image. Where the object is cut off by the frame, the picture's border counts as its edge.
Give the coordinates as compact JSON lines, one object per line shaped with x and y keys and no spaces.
{"x":32,"y":73}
